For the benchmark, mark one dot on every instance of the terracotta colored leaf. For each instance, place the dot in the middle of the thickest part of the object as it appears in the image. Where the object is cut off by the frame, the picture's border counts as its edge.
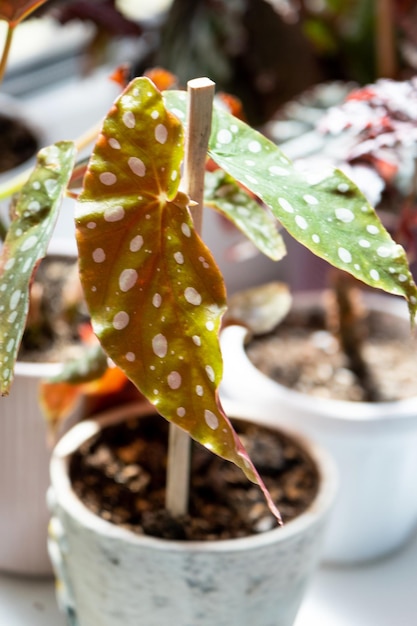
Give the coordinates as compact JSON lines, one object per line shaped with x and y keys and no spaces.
{"x":324,"y":211}
{"x":14,"y":11}
{"x":58,"y":399}
{"x":26,"y":243}
{"x":155,"y":295}
{"x":225,"y":195}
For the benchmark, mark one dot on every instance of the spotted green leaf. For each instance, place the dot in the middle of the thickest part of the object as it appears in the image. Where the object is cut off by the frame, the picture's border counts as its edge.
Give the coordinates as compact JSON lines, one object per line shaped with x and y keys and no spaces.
{"x":154,"y":292}
{"x":324,"y":210}
{"x":221,"y":192}
{"x":26,"y":243}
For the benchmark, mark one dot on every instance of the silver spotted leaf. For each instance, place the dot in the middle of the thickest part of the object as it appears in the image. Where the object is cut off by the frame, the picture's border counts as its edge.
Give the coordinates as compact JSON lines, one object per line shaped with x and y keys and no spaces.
{"x":155,"y":294}
{"x":27,"y":239}
{"x":222,"y":193}
{"x":323,"y":210}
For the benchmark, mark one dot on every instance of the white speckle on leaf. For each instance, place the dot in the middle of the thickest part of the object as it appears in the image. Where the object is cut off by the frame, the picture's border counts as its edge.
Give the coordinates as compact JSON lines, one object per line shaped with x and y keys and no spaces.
{"x":185,"y":230}
{"x":224,"y":136}
{"x":211,"y":419}
{"x":113,"y":143}
{"x":174,"y":380}
{"x":312,"y":200}
{"x":286,"y":205}
{"x":136,"y":243}
{"x":157,"y":300}
{"x":99,"y":255}
{"x":301,"y":222}
{"x":137,"y":166}
{"x":108,"y":178}
{"x":344,"y":215}
{"x":129,"y":119}
{"x":114,"y":213}
{"x":161,"y":133}
{"x":374,"y":274}
{"x":120,"y":320}
{"x":127,"y":279}
{"x":254,"y":146}
{"x":160,"y":345}
{"x":344,"y":255}
{"x":29,"y":243}
{"x":192,"y":296}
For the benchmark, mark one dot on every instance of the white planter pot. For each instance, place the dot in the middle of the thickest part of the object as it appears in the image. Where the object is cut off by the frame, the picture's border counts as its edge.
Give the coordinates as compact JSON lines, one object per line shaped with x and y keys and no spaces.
{"x":374,"y":446}
{"x":24,"y":472}
{"x":112,"y":577}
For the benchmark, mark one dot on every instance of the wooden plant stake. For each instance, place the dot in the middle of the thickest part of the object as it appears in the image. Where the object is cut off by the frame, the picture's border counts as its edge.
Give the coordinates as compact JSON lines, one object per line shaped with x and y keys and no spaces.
{"x":385,"y":39}
{"x":200,"y":104}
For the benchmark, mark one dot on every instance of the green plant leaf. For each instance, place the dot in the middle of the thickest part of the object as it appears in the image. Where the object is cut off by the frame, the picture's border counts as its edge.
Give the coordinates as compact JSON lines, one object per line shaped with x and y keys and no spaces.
{"x":26,"y":243}
{"x":14,"y":11}
{"x":222,"y":193}
{"x":325,"y":211}
{"x":90,"y":365}
{"x":154,"y":292}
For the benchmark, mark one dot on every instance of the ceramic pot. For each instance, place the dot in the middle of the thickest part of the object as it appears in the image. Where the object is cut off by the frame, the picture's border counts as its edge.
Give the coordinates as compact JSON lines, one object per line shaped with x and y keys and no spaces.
{"x":24,"y":472}
{"x":374,"y":446}
{"x":112,"y":577}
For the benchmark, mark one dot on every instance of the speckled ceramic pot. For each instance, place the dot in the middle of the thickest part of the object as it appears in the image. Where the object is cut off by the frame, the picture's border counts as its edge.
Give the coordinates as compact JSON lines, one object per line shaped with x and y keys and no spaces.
{"x":111,"y":577}
{"x":373,"y":444}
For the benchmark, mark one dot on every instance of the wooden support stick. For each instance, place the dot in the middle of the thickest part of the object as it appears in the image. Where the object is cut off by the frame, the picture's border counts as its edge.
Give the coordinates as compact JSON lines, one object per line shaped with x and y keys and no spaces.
{"x":200,"y":104}
{"x":386,"y":58}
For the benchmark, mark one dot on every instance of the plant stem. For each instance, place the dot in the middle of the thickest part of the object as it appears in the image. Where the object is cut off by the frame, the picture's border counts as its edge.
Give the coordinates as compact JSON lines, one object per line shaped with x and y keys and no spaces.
{"x":200,"y":103}
{"x":386,"y":58}
{"x":6,"y":50}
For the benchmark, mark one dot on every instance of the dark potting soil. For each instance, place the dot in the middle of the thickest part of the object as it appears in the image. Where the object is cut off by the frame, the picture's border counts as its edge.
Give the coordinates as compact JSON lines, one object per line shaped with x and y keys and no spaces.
{"x":120,"y":476}
{"x":17,"y":143}
{"x":56,"y":311}
{"x":303,"y":355}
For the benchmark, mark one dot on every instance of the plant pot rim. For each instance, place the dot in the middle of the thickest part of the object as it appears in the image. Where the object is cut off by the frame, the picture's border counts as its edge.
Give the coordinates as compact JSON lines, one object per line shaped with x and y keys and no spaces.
{"x":61,"y":485}
{"x":338,"y":412}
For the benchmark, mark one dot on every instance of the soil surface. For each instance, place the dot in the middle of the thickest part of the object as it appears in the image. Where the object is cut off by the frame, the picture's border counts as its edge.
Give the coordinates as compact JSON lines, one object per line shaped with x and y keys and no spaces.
{"x":303,"y":355}
{"x":120,"y":476}
{"x":17,"y":143}
{"x":57,"y":312}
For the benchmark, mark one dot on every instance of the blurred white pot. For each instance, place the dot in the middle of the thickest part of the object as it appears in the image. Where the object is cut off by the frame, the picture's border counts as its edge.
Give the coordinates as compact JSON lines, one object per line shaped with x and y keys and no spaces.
{"x":113,"y":577}
{"x":24,"y":472}
{"x":373,"y":444}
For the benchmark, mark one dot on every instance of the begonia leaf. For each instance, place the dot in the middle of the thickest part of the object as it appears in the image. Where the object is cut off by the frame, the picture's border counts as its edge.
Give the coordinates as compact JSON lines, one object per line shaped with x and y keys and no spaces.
{"x":25,"y":245}
{"x":324,"y":210}
{"x":222,"y":193}
{"x":155,"y":294}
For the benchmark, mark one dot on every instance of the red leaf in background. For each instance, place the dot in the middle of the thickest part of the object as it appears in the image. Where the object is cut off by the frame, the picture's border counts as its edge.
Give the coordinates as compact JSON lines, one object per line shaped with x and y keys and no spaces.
{"x":14,"y":11}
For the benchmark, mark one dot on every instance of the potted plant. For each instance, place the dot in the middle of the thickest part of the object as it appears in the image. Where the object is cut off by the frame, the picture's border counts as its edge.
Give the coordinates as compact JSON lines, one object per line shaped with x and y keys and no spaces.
{"x":119,"y":170}
{"x":137,"y":241}
{"x":377,"y":147}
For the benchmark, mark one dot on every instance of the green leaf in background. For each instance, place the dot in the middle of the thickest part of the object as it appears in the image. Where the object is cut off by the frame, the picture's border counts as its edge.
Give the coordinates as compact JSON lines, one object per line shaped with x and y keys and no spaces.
{"x":154,"y":292}
{"x":325,"y":211}
{"x":25,"y":245}
{"x":222,"y":193}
